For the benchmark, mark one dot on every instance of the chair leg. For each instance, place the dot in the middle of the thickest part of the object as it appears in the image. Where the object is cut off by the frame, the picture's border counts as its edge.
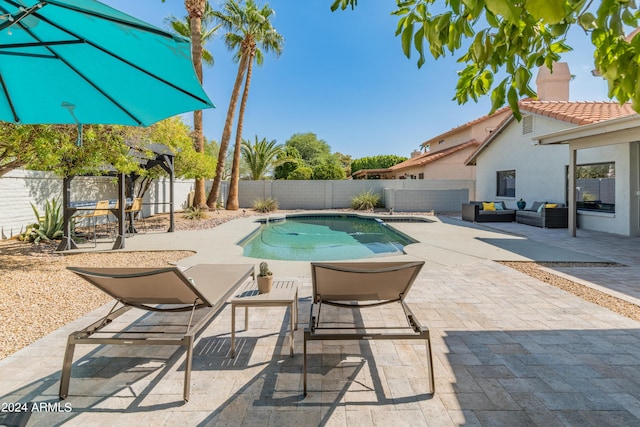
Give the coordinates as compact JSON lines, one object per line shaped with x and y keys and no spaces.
{"x":67,"y":362}
{"x":187,"y":370}
{"x":430,"y":357}
{"x":304,"y":364}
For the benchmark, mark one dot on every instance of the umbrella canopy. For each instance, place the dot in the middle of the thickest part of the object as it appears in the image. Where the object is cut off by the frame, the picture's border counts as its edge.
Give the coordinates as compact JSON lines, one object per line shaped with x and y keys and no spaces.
{"x":82,"y":62}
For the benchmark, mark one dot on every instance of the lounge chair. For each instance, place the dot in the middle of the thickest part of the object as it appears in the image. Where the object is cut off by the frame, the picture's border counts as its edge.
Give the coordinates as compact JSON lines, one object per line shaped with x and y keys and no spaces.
{"x":359,"y":285}
{"x":160,"y":290}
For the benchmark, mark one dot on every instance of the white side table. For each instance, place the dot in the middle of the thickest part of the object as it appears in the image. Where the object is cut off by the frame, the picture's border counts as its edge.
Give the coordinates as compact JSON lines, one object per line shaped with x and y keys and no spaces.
{"x":283,"y":293}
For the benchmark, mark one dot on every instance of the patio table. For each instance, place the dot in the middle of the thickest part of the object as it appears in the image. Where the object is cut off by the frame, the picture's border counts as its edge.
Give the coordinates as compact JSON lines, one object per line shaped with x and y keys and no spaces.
{"x":283,"y":293}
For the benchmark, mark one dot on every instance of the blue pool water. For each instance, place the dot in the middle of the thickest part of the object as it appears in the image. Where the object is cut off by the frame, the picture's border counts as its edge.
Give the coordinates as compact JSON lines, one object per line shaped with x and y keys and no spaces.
{"x":324,"y":238}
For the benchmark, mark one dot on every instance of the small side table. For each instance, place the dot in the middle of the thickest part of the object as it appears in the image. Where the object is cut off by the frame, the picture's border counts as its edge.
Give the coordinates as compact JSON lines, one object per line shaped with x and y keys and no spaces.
{"x":283,"y":293}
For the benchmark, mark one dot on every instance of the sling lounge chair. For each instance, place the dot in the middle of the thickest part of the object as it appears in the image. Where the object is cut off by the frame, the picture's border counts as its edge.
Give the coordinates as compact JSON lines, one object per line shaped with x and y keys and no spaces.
{"x":160,"y":290}
{"x":360,"y":285}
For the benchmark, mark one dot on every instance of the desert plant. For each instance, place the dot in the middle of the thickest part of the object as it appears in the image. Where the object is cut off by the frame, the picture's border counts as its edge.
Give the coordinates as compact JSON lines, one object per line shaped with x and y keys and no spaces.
{"x":49,"y":227}
{"x":195,"y":213}
{"x":365,"y":201}
{"x":265,"y":205}
{"x":264,"y":270}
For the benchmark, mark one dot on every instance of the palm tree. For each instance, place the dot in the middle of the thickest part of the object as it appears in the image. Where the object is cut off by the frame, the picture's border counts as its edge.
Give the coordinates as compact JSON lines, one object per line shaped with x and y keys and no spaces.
{"x":208,"y":30}
{"x":196,"y":10}
{"x":260,"y":156}
{"x":249,"y":33}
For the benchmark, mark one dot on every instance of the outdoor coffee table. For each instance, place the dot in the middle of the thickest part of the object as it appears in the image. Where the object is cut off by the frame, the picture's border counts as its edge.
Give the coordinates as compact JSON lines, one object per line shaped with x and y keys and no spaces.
{"x":283,"y":293}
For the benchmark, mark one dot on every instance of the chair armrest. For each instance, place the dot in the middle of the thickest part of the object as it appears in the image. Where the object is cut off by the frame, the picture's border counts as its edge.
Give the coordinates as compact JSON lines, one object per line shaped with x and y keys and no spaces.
{"x":470,"y":211}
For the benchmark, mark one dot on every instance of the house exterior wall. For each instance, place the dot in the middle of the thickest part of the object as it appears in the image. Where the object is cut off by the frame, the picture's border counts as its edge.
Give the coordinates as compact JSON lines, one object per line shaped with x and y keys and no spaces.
{"x":478,"y":131}
{"x":538,"y":168}
{"x":634,"y":188}
{"x":449,"y":167}
{"x":620,"y":221}
{"x":541,"y":174}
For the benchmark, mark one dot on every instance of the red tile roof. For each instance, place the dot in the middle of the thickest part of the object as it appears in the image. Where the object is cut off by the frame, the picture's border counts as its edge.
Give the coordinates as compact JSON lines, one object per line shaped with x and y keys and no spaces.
{"x":425,"y":158}
{"x":579,"y":113}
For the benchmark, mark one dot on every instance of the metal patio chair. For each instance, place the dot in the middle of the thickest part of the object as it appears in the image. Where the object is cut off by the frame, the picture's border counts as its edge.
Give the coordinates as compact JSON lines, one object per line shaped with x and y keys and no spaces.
{"x":163,"y":290}
{"x":362,"y":285}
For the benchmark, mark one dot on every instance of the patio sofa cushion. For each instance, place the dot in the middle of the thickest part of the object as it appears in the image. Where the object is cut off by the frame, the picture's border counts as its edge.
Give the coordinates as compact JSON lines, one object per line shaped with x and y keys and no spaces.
{"x":543,"y":214}
{"x":477,"y":212}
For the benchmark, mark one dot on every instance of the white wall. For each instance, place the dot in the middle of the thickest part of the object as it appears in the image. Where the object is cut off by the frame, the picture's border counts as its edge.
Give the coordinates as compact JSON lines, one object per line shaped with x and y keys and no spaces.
{"x":541,"y":173}
{"x":20,"y":188}
{"x":620,"y":221}
{"x":540,"y":170}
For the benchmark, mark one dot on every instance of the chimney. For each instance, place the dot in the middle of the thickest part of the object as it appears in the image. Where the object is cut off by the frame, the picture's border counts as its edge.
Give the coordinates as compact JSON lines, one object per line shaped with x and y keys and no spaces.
{"x":553,"y":86}
{"x":415,"y":153}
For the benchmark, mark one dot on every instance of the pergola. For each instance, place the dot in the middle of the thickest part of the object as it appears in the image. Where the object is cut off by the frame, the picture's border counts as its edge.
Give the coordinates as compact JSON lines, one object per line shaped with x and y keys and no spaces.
{"x":163,"y":157}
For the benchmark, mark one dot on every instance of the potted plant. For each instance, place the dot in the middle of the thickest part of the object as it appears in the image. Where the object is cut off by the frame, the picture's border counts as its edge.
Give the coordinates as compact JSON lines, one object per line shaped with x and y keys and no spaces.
{"x":521,"y":204}
{"x":265,"y":278}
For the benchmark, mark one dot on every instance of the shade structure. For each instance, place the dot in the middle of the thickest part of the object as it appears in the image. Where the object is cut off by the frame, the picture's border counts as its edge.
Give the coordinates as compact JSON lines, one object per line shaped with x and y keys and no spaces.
{"x":82,"y":62}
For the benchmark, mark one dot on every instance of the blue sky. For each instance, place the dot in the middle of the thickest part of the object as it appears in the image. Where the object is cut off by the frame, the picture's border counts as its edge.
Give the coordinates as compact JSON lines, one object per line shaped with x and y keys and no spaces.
{"x":342,"y":76}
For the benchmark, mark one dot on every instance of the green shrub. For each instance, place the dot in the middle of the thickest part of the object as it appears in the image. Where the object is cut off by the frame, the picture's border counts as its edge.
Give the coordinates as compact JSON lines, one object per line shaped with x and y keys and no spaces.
{"x":49,"y":227}
{"x":194,"y":213}
{"x":265,"y":205}
{"x":365,"y":201}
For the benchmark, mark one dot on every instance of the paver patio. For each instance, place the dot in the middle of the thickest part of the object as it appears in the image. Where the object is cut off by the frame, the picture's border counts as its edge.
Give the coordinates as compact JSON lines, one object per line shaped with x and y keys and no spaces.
{"x":509,"y":350}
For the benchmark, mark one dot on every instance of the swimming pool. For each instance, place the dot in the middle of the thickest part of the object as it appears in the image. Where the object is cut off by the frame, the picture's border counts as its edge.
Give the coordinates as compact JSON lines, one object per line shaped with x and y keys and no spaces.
{"x":324,"y":238}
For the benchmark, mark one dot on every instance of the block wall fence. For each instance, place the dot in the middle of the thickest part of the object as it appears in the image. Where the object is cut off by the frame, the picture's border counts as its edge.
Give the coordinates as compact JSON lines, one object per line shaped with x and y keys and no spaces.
{"x":19,"y":189}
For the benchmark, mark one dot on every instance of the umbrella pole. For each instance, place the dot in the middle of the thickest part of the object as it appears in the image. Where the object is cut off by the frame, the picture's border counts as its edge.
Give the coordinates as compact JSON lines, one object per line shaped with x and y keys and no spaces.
{"x":119,"y":243}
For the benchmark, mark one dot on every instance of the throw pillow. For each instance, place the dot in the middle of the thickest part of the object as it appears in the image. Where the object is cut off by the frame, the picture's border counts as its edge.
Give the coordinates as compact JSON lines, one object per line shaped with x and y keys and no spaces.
{"x":536,"y":206}
{"x":551,"y":205}
{"x":499,"y":206}
{"x":488,"y":206}
{"x":540,"y":207}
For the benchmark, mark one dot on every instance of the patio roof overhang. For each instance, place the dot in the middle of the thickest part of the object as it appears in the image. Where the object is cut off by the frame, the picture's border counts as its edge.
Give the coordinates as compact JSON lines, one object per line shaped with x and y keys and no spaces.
{"x":620,"y":130}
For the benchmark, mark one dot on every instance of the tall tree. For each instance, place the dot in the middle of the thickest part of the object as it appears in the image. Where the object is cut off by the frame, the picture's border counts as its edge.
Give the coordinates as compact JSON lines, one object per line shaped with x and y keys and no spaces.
{"x":260,"y":156}
{"x":249,"y":32}
{"x":196,"y":11}
{"x":510,"y":38}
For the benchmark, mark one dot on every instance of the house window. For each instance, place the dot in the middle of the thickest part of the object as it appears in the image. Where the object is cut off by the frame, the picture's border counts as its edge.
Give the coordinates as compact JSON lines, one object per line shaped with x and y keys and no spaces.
{"x":596,"y":187}
{"x":527,"y":124}
{"x":441,"y":142}
{"x":420,"y":176}
{"x":506,"y":183}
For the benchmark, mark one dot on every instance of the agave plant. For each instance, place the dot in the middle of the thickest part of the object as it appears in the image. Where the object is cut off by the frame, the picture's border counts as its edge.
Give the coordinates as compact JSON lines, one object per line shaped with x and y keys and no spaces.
{"x":50,"y":226}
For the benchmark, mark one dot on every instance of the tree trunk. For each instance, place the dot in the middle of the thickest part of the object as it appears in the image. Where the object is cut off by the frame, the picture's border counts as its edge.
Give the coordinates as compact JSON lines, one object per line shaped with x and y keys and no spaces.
{"x":226,"y":133}
{"x":195,"y":9}
{"x":232,"y":202}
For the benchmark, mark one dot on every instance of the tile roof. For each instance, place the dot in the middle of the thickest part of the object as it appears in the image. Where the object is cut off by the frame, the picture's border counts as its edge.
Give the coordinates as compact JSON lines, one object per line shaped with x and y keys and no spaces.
{"x":579,"y":113}
{"x":576,"y":112}
{"x":425,"y":158}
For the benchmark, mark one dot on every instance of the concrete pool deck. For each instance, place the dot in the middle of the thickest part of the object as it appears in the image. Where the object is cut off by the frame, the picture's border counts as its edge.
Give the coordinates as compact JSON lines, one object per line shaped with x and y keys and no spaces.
{"x":508,"y":349}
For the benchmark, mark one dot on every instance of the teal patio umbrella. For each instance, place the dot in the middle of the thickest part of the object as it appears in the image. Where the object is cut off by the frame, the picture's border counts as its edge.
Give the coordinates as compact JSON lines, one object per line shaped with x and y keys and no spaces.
{"x":82,"y":62}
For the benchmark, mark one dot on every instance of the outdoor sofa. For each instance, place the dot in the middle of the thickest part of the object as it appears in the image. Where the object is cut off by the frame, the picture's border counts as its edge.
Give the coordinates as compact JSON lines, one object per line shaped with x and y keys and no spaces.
{"x":482,"y":212}
{"x":544,"y":214}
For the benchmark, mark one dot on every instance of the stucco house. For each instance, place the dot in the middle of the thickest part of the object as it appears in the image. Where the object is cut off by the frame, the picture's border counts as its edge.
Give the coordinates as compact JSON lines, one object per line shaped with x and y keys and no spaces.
{"x":531,"y":159}
{"x":442,"y":157}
